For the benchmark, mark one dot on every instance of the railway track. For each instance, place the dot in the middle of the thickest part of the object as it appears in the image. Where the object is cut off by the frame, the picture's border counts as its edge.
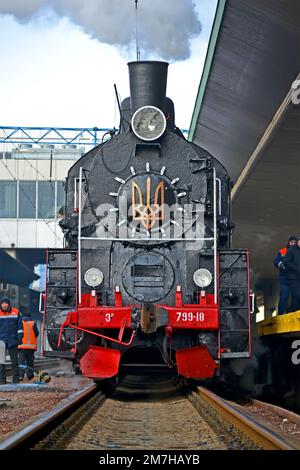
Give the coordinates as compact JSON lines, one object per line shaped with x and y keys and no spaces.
{"x":142,"y":414}
{"x":218,"y":409}
{"x":27,"y":437}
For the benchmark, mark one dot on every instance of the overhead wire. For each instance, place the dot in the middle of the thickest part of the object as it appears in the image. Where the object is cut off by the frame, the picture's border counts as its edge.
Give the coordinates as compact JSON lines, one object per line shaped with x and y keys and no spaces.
{"x":37,"y":171}
{"x":6,"y":232}
{"x":50,"y":180}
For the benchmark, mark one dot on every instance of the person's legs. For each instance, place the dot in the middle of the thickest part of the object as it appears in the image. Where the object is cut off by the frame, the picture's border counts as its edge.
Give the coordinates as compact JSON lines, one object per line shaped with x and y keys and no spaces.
{"x":29,"y":353}
{"x":284,"y":298}
{"x":2,"y":374}
{"x":22,"y":363}
{"x":14,"y":352}
{"x":295,"y":290}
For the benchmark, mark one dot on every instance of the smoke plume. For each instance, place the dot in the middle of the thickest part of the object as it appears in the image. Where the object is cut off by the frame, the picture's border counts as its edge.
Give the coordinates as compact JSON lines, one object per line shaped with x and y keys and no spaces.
{"x":165,"y":27}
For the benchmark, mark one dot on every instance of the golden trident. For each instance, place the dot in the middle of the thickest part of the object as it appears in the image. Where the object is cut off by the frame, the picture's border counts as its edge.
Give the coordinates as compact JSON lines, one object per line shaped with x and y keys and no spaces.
{"x":148,"y":214}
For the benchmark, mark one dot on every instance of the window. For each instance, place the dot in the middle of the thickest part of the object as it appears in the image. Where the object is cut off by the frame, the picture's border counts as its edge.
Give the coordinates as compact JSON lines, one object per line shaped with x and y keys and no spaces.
{"x":46,"y":200}
{"x":27,"y":199}
{"x":60,"y":195}
{"x":49,"y":196}
{"x":8,"y":199}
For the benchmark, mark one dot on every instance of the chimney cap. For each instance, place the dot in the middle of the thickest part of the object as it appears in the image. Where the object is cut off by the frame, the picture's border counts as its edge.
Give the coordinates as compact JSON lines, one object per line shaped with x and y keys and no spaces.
{"x":147,"y":62}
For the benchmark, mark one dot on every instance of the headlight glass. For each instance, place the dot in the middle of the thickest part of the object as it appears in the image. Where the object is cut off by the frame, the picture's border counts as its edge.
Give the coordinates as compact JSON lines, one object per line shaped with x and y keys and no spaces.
{"x":93,"y":277}
{"x":202,"y":277}
{"x":148,"y":123}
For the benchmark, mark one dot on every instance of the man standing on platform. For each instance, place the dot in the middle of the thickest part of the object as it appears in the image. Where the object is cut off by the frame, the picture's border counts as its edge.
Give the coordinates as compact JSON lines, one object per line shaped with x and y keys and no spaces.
{"x":11,"y":334}
{"x":285,"y":288}
{"x":28,"y":347}
{"x":292,"y":263}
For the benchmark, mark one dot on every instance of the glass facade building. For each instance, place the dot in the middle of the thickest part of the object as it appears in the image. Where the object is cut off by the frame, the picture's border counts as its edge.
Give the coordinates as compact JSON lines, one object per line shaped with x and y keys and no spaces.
{"x":31,"y":199}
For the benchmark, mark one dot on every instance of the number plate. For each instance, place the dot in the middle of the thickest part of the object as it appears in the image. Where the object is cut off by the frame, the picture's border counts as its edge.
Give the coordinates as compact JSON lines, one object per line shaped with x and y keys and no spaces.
{"x":190,"y":316}
{"x":203,"y":318}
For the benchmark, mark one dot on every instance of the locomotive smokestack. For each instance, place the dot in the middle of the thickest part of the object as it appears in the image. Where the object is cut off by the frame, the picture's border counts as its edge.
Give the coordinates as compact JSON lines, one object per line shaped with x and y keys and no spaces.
{"x":148,"y":83}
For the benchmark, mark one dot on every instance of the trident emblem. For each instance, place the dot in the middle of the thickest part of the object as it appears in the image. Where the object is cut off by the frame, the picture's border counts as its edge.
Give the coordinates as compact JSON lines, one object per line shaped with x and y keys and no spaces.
{"x":148,"y":214}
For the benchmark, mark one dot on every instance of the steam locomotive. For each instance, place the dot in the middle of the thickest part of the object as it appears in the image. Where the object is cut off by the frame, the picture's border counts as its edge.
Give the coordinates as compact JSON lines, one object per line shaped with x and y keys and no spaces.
{"x":148,"y":276}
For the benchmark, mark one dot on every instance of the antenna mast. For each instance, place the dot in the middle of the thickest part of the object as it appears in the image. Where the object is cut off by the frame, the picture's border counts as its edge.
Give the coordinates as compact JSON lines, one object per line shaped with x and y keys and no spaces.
{"x":138,"y":52}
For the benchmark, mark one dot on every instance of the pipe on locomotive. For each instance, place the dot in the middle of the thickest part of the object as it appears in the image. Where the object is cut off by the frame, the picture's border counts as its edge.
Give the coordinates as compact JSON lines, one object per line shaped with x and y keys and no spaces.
{"x":148,"y":83}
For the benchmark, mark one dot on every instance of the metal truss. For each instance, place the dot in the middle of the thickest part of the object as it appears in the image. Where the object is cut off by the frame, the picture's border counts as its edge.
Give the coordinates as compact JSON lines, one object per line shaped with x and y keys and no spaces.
{"x":53,"y":135}
{"x":56,"y":135}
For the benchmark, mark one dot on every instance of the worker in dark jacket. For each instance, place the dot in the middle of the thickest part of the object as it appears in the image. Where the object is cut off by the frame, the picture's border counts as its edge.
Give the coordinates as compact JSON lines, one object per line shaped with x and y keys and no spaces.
{"x":28,"y":346}
{"x":11,"y":333}
{"x":292,"y":263}
{"x":285,"y":288}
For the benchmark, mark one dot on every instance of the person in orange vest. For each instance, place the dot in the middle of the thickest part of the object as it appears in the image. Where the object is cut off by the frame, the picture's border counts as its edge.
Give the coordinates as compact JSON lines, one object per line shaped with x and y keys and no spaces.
{"x":285,"y":288}
{"x":11,"y":333}
{"x":28,"y":347}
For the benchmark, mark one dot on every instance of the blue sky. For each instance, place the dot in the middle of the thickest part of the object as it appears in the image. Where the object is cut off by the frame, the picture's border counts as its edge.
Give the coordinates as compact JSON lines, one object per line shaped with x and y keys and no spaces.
{"x":54,"y":74}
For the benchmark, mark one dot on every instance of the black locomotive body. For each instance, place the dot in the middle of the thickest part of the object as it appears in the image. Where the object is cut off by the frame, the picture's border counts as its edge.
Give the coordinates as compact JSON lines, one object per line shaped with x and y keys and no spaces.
{"x":147,"y":276}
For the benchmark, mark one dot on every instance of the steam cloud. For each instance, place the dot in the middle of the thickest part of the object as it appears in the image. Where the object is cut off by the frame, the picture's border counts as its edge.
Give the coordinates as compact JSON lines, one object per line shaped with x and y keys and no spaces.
{"x":165,"y":27}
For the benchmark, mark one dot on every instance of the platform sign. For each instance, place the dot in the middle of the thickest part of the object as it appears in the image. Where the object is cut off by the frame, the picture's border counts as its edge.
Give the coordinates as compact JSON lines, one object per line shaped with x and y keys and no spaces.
{"x":39,"y":285}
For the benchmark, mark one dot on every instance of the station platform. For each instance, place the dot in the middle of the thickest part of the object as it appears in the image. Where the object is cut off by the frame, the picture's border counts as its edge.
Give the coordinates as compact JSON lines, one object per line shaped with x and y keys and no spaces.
{"x":9,"y":387}
{"x":281,"y":324}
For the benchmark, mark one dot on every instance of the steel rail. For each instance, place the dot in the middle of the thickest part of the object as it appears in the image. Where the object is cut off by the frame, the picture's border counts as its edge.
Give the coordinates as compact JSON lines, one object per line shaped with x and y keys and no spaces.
{"x":261,"y":435}
{"x":19,"y":439}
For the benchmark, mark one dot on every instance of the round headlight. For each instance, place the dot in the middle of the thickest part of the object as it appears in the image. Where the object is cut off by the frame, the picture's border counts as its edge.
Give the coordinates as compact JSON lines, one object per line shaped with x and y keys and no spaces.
{"x":202,"y":277}
{"x":93,"y":277}
{"x":148,"y":123}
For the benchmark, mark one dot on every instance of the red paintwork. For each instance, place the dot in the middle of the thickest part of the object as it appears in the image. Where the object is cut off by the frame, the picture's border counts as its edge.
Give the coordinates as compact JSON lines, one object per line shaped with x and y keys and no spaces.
{"x":118,"y":299}
{"x":92,"y":317}
{"x":44,"y":311}
{"x":204,"y":316}
{"x":101,"y":317}
{"x":89,"y":316}
{"x":195,"y":363}
{"x":249,"y":308}
{"x":189,"y":317}
{"x":95,"y":333}
{"x":87,"y":300}
{"x":218,"y":287}
{"x":178,"y":297}
{"x":44,"y":322}
{"x":100,"y":363}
